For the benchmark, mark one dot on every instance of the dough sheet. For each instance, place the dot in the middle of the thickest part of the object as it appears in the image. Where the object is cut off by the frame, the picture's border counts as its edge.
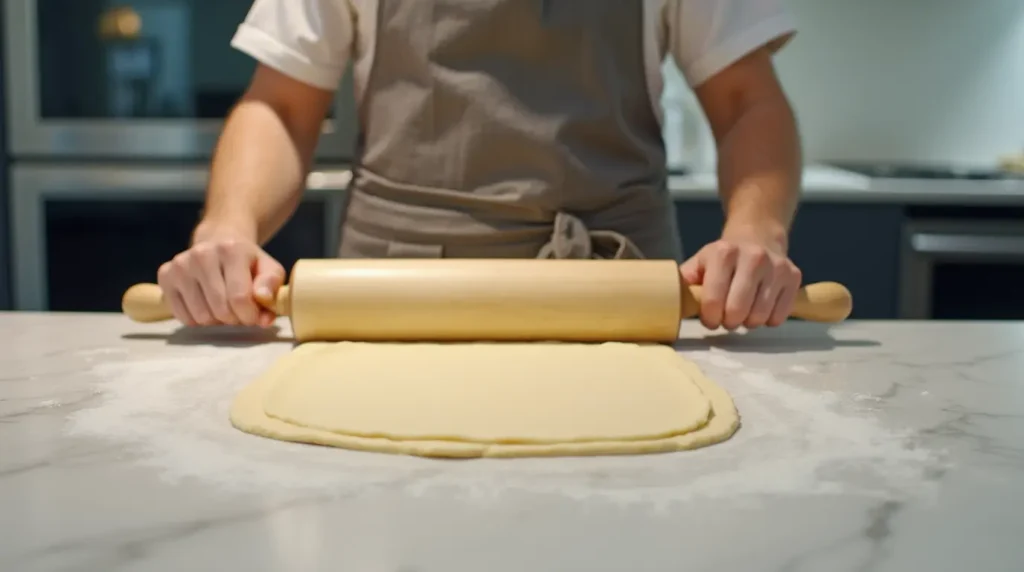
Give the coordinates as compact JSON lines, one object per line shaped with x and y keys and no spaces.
{"x":487,"y":399}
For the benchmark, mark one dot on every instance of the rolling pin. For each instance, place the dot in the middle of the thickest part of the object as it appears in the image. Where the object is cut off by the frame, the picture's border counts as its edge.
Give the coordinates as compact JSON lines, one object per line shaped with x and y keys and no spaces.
{"x":484,"y":299}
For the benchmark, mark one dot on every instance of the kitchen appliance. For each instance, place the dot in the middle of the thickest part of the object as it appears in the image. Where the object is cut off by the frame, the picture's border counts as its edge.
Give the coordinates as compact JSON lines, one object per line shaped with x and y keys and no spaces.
{"x":82,"y":234}
{"x":149,"y":79}
{"x":520,"y":300}
{"x":962,"y":264}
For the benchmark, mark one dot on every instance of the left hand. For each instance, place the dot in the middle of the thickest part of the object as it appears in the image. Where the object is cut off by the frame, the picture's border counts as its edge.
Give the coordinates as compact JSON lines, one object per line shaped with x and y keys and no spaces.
{"x":747,"y":278}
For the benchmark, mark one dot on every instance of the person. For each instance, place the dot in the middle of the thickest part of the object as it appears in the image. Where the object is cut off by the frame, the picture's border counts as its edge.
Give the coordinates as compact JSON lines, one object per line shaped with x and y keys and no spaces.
{"x":503,"y":129}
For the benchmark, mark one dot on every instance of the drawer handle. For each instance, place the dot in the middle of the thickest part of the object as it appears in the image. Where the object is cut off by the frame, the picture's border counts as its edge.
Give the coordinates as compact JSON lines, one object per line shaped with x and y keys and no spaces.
{"x":989,"y":246}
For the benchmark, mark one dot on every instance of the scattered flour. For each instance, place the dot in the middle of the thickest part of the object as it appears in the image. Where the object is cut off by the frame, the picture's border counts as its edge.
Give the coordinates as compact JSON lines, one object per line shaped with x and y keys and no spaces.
{"x":171,"y":414}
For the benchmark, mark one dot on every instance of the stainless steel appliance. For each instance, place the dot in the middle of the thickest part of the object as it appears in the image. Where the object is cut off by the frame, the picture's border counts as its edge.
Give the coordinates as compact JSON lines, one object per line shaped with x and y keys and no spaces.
{"x":81,"y":234}
{"x":132,"y":79}
{"x":963,"y":268}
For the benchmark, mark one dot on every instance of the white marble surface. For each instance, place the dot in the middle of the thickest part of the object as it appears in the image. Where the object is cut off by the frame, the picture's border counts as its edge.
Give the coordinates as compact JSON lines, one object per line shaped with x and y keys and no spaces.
{"x":870,"y":447}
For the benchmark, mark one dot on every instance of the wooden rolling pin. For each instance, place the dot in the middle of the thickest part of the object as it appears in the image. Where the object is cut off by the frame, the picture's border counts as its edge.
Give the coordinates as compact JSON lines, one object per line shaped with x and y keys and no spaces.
{"x":473,"y":299}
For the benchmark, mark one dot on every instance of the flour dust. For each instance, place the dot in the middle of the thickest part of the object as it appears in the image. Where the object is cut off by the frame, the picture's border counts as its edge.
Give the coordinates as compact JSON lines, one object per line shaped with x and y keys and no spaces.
{"x":172,"y":415}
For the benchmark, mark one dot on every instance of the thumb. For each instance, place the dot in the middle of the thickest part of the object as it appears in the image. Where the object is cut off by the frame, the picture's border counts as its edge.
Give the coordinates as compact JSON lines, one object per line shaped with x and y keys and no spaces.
{"x":692,"y":270}
{"x":268,"y":276}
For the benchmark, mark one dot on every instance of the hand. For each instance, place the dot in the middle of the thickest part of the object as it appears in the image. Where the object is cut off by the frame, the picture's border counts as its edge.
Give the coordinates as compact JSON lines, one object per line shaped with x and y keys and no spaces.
{"x":222,"y":280}
{"x":747,"y":280}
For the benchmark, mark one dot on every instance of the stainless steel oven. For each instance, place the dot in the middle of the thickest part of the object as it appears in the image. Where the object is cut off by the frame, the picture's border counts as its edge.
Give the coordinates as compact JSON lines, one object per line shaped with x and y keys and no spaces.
{"x":963,"y":269}
{"x":83,"y":233}
{"x":133,"y":79}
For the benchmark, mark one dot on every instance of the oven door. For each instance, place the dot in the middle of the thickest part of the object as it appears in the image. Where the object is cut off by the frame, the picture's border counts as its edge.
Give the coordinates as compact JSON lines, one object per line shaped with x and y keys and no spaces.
{"x":134,"y":78}
{"x":963,"y":270}
{"x":82,"y":235}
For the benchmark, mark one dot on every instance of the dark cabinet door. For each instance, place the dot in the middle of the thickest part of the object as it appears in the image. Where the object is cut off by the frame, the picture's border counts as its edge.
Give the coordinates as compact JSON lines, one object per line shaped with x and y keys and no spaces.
{"x":97,"y":249}
{"x":855,"y":244}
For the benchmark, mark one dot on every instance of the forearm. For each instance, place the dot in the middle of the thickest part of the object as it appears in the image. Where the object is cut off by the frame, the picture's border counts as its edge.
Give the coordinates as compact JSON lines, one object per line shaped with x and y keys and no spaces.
{"x":258,"y":174}
{"x":759,"y":170}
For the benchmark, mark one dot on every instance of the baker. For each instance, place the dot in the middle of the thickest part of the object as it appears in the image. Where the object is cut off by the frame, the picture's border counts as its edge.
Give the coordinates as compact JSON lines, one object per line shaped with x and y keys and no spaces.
{"x":503,"y":128}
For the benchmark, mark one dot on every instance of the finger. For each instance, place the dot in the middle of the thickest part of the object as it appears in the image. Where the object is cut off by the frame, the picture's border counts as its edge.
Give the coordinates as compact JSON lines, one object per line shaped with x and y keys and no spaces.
{"x":784,"y":302}
{"x":767,"y":296}
{"x":751,"y":269}
{"x":719,"y":267}
{"x":266,"y":318}
{"x":179,"y":309}
{"x":238,"y":284}
{"x":192,"y":294}
{"x":268,"y":278}
{"x":692,"y":270}
{"x":207,"y":269}
{"x":167,"y":279}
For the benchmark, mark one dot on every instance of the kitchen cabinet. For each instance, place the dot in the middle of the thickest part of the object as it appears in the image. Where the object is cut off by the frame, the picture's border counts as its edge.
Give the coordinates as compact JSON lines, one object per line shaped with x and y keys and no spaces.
{"x":97,"y":249}
{"x":855,"y":244}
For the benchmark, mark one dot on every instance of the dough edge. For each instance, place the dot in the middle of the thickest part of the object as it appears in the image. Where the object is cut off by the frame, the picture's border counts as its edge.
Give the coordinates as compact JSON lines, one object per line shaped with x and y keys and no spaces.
{"x":247,"y":415}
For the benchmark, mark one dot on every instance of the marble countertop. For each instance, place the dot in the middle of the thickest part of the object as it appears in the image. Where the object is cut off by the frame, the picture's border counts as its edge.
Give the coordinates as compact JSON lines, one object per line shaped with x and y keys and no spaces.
{"x":822,"y":183}
{"x":872,"y":446}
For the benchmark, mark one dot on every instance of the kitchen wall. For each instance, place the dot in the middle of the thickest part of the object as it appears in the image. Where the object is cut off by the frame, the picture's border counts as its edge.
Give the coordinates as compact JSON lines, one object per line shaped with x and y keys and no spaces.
{"x":907,"y":80}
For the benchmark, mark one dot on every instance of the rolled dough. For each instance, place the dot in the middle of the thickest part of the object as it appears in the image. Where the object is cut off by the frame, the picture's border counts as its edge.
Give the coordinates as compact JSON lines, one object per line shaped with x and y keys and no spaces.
{"x":487,"y":400}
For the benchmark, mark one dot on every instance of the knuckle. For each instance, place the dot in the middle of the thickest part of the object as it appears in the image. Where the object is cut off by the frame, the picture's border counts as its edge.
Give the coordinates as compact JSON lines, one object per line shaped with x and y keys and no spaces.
{"x":727,"y":250}
{"x":239,"y":299}
{"x":798,"y":275}
{"x":759,"y":256}
{"x":181,"y":260}
{"x":227,"y":246}
{"x":164,"y":273}
{"x":204,"y":251}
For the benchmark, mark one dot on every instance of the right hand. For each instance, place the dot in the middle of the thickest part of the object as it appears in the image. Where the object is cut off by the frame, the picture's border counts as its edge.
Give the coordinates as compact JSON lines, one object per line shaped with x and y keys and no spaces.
{"x":222,"y":280}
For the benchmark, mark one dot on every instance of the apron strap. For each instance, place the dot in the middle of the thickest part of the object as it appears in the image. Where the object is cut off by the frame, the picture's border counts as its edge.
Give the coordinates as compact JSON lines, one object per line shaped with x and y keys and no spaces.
{"x":570,"y":238}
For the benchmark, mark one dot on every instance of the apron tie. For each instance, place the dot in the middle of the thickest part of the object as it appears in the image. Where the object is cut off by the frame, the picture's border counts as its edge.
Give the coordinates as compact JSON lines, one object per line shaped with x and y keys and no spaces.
{"x":570,"y":238}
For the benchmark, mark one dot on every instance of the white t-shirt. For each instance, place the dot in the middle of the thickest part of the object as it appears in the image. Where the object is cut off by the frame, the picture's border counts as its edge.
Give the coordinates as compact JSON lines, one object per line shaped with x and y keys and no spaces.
{"x":313,"y":41}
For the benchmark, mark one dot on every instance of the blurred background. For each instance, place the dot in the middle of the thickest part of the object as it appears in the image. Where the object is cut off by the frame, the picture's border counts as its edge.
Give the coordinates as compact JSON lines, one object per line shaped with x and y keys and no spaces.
{"x":912,"y":114}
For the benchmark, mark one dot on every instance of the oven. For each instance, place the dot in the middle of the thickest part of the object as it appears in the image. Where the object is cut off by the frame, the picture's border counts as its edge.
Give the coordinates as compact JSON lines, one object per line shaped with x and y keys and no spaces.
{"x":963,"y":264}
{"x":82,"y":234}
{"x":148,"y":79}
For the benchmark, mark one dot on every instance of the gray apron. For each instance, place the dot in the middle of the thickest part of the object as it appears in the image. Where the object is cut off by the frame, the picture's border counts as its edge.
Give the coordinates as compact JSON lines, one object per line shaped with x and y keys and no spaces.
{"x":509,"y":129}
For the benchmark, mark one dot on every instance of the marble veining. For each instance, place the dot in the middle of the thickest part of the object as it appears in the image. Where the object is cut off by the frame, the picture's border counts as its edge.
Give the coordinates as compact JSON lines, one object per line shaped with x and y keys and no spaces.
{"x":870,"y":446}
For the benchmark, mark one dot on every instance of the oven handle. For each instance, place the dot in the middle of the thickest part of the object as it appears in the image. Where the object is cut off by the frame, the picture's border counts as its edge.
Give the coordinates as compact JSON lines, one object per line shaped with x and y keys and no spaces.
{"x":965,"y":245}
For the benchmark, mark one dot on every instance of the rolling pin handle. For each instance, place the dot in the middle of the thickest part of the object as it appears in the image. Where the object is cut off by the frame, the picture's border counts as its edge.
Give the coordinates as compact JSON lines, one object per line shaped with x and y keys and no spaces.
{"x":145,"y":303}
{"x":827,"y":302}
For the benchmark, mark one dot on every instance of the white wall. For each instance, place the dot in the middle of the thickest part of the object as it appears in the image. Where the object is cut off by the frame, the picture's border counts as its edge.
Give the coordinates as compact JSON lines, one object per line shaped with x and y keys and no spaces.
{"x":907,"y":80}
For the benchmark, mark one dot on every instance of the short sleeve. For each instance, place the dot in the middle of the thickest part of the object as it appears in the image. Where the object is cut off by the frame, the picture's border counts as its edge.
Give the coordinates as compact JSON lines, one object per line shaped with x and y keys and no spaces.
{"x":706,"y":36}
{"x":308,"y":40}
